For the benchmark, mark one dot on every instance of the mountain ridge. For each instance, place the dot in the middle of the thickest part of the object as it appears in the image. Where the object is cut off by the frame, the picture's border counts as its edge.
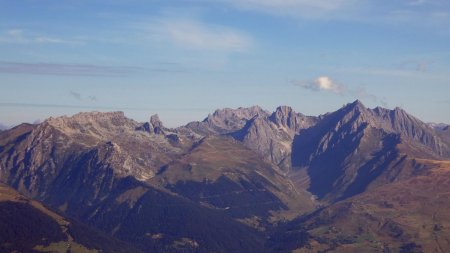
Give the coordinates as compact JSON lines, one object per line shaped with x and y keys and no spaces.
{"x":246,"y":167}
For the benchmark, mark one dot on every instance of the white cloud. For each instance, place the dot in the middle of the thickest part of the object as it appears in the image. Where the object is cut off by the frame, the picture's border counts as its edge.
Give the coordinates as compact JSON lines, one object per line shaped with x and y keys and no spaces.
{"x":326,"y":84}
{"x":192,"y":34}
{"x":322,"y":83}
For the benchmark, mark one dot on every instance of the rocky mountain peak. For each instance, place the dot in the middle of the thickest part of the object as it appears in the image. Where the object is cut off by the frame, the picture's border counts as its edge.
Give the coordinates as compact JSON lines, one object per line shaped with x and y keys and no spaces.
{"x":357,"y":105}
{"x":155,"y":121}
{"x":156,"y":124}
{"x":99,"y":119}
{"x":284,"y":110}
{"x":241,"y":112}
{"x":226,"y":120}
{"x":283,"y":116}
{"x":396,"y":121}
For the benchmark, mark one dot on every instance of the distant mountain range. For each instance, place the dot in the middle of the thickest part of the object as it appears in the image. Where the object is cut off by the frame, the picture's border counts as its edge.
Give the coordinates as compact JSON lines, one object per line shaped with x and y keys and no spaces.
{"x":241,"y":180}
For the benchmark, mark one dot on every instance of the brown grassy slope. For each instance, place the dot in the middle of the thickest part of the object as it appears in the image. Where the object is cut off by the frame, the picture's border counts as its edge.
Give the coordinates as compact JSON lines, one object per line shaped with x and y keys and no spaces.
{"x":222,"y":173}
{"x":411,"y":215}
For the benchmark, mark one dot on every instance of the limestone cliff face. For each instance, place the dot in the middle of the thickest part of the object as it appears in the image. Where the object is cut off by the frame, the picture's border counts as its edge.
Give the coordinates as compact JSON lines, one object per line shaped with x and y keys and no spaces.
{"x":226,"y":120}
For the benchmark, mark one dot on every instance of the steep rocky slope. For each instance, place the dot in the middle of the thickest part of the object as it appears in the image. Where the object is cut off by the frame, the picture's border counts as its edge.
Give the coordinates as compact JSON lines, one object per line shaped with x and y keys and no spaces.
{"x":356,"y":148}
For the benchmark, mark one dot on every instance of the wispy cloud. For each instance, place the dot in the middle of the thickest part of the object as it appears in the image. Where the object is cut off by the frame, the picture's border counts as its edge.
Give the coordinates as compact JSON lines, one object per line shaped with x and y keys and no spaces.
{"x":416,"y":65}
{"x":20,"y":36}
{"x":322,"y":83}
{"x":79,"y":69}
{"x":75,"y":95}
{"x":417,"y":12}
{"x":417,"y":2}
{"x":363,"y":94}
{"x":407,"y":70}
{"x":78,"y":96}
{"x":297,"y":8}
{"x":99,"y":107}
{"x":193,"y":34}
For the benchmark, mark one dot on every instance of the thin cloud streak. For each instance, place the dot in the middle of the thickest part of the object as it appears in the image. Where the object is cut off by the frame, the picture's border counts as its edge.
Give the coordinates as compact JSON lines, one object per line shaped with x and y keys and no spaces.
{"x":193,"y":34}
{"x":68,"y":106}
{"x":75,"y":95}
{"x":311,"y":9}
{"x":362,"y":11}
{"x":60,"y":69}
{"x":19,"y":36}
{"x":79,"y":97}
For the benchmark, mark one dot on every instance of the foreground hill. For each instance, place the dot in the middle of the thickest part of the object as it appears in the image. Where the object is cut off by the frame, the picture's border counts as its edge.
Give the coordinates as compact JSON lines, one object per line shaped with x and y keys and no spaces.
{"x":28,"y":226}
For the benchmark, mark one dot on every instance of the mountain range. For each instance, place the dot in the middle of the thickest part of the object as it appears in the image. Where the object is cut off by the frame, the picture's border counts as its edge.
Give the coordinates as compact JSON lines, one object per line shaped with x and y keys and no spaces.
{"x":241,"y":180}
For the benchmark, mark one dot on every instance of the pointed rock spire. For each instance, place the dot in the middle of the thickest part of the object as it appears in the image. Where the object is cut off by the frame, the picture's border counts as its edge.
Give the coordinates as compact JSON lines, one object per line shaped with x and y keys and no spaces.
{"x":156,"y":124}
{"x":283,"y":116}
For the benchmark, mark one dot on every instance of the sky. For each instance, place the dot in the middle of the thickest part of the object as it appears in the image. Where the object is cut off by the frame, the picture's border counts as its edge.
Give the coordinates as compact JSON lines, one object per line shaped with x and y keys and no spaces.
{"x":184,"y":59}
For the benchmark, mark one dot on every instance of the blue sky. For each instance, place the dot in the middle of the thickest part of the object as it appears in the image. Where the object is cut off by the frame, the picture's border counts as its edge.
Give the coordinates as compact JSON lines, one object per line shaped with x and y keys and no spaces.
{"x":183,"y":59}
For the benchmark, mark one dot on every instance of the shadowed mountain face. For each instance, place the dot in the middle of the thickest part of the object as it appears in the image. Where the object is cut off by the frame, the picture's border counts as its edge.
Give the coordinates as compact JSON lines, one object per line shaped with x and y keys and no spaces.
{"x":220,"y":185}
{"x":355,"y":148}
{"x":27,"y":226}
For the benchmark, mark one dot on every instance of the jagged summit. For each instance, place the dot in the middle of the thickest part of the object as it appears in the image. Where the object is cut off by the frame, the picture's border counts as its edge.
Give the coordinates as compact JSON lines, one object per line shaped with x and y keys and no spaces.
{"x":356,"y":105}
{"x":291,"y":121}
{"x":220,"y":116}
{"x":227,"y":120}
{"x":156,"y":124}
{"x":283,"y":115}
{"x":85,"y":117}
